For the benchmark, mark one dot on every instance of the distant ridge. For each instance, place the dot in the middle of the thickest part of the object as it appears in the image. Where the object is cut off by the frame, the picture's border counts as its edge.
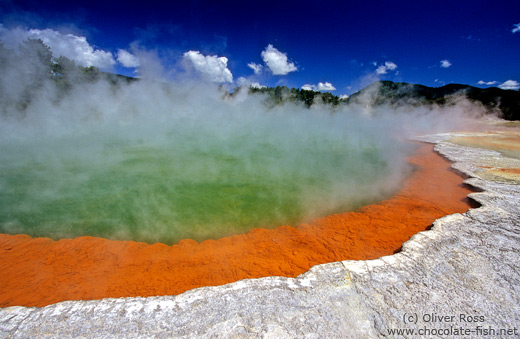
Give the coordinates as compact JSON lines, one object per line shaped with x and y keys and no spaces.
{"x":505,"y":102}
{"x":388,"y":92}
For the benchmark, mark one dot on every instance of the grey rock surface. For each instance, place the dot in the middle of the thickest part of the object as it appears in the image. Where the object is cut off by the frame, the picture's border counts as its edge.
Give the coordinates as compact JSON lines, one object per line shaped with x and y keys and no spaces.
{"x":459,"y":279}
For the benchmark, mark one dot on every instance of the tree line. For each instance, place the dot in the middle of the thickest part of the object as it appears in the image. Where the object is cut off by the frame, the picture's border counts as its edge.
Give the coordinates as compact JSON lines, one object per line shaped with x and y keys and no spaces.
{"x":281,"y":94}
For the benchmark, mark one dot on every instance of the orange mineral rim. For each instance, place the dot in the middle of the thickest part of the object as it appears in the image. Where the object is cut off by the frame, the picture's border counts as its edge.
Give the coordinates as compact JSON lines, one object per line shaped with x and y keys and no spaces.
{"x":40,"y":271}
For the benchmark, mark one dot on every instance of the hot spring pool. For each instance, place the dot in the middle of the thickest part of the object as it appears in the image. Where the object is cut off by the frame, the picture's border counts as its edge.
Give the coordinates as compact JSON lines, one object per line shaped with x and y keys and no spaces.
{"x":198,"y":168}
{"x":163,"y":192}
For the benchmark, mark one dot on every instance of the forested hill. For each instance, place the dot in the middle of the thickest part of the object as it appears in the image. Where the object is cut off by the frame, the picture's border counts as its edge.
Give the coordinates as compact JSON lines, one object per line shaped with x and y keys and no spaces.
{"x":395,"y":93}
{"x":388,"y":92}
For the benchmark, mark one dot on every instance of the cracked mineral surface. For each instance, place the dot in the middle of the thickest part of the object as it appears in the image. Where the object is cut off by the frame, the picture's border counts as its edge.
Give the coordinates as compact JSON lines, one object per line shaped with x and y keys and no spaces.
{"x":461,"y":277}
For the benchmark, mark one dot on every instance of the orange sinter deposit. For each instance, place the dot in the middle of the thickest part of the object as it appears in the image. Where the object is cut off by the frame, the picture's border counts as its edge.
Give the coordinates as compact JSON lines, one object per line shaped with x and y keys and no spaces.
{"x":40,"y":271}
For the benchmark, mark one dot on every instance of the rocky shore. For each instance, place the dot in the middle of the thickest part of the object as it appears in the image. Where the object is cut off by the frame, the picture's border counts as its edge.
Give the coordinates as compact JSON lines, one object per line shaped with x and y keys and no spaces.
{"x":461,"y":278}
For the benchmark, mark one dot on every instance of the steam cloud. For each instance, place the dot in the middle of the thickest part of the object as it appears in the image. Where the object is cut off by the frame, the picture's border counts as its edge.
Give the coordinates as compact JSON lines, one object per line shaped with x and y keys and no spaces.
{"x":127,"y":59}
{"x":158,"y":161}
{"x":71,"y":46}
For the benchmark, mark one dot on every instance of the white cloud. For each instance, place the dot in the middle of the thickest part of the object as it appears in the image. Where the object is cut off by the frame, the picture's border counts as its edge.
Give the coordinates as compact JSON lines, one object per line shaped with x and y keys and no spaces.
{"x":510,"y":84}
{"x":127,"y":59}
{"x":445,"y":63}
{"x":344,"y":96}
{"x":325,"y":86}
{"x":210,"y":66}
{"x":255,"y":67}
{"x":383,"y":69}
{"x":68,"y":45}
{"x":256,"y":85}
{"x":277,"y":61}
{"x":516,"y":28}
{"x":390,"y":65}
{"x":488,"y":83}
{"x":322,"y":86}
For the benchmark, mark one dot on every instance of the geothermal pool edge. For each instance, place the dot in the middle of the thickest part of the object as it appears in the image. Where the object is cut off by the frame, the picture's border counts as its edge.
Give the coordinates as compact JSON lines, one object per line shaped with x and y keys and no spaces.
{"x":465,"y":267}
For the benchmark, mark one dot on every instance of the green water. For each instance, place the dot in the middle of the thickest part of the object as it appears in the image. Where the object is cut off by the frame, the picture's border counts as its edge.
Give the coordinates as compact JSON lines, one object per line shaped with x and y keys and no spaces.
{"x":180,"y":185}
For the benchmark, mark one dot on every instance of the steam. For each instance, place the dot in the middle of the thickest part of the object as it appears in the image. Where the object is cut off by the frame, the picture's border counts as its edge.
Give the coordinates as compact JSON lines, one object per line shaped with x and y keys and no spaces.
{"x":68,"y":45}
{"x":155,"y":161}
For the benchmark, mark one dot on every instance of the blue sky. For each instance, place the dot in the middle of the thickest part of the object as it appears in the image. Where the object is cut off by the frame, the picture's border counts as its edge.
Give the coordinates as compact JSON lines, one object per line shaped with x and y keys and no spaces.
{"x":341,"y":44}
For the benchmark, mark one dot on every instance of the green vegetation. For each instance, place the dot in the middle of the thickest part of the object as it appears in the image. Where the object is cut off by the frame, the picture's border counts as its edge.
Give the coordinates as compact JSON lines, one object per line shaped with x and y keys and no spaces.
{"x":281,"y":94}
